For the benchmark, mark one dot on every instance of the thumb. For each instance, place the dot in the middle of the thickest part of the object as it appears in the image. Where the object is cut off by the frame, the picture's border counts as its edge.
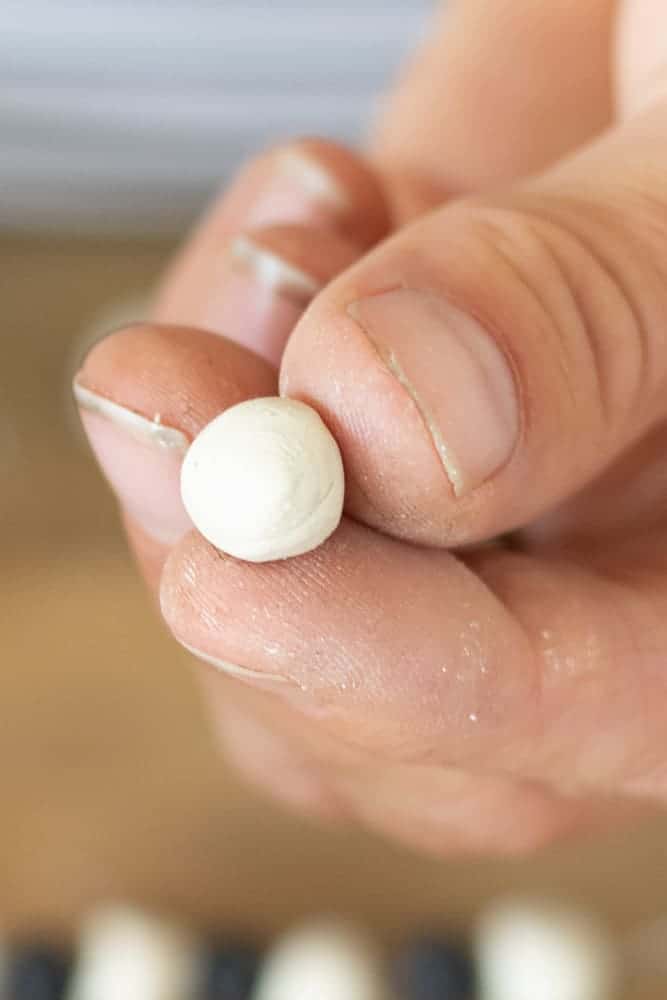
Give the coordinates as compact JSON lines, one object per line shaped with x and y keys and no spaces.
{"x":493,"y":357}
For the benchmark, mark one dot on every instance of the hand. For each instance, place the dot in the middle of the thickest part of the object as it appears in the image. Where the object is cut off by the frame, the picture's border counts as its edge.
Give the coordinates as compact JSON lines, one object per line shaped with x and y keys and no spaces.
{"x":477,"y":660}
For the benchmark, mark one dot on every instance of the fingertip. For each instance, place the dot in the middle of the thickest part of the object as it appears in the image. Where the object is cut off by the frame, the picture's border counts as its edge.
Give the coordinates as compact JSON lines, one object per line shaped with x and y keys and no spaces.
{"x":349,"y":180}
{"x":267,"y":278}
{"x":180,"y":374}
{"x":292,"y":219}
{"x":144,"y":393}
{"x":395,"y":480}
{"x":318,"y":255}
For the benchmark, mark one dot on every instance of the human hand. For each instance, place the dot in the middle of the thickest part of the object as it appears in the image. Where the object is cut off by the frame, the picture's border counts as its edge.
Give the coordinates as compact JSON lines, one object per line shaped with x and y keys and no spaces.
{"x":496,"y":376}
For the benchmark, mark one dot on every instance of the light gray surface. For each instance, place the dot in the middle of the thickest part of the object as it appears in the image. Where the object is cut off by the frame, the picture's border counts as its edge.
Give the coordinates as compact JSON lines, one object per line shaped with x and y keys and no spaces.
{"x":122,"y":115}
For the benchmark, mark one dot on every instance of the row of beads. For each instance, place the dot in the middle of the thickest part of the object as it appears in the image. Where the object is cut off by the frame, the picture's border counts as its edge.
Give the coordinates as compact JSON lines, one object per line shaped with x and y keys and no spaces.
{"x":521,"y":951}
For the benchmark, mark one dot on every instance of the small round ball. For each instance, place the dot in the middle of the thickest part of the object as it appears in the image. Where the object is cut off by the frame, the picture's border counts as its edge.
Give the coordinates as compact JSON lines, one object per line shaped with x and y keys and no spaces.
{"x":264,"y":480}
{"x":544,"y":951}
{"x":323,"y":961}
{"x":125,"y":953}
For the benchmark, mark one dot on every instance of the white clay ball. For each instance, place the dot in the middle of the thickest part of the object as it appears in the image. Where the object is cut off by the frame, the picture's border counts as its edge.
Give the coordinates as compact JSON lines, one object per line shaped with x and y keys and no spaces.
{"x":544,"y":951}
{"x":323,"y":961}
{"x":264,"y":480}
{"x":126,"y":954}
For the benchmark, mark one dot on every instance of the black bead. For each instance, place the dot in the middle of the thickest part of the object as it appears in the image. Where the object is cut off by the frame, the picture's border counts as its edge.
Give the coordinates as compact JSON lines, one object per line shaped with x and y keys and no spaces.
{"x":230,"y":972}
{"x":429,"y":968}
{"x":36,"y":973}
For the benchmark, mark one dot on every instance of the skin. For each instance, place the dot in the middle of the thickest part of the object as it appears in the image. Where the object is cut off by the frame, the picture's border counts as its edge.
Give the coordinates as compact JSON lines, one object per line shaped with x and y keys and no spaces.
{"x":462,"y":673}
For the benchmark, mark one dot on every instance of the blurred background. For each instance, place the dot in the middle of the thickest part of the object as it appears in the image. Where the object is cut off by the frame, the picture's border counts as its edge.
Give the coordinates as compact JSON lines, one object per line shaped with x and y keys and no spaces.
{"x":120,"y":116}
{"x":118,"y":119}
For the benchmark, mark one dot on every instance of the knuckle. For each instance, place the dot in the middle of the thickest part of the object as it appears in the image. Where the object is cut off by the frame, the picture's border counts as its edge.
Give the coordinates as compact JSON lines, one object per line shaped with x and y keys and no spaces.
{"x":613,"y":250}
{"x":523,"y":291}
{"x":573,"y":285}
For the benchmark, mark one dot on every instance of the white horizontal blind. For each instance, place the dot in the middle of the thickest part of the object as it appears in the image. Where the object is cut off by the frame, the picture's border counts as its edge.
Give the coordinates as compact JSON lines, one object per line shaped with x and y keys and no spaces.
{"x":123,"y":115}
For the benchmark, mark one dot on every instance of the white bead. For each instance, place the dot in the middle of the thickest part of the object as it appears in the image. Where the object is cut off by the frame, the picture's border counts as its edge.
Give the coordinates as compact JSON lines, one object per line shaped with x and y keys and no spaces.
{"x":264,"y":480}
{"x":125,"y":954}
{"x":323,"y":961}
{"x":542,"y":951}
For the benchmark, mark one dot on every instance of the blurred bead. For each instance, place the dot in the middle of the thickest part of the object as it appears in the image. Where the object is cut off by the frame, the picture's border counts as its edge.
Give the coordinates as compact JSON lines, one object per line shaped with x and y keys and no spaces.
{"x":229,"y":973}
{"x":538,"y":951}
{"x":323,"y":961}
{"x":429,"y":968}
{"x":125,"y":955}
{"x":35,"y":973}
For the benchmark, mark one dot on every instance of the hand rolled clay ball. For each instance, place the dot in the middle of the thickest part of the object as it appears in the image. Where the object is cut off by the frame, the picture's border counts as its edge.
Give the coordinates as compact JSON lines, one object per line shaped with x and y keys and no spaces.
{"x":264,"y":480}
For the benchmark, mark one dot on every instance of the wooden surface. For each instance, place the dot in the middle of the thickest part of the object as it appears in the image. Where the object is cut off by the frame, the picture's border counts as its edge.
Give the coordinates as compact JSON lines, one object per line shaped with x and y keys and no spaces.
{"x":110,"y":784}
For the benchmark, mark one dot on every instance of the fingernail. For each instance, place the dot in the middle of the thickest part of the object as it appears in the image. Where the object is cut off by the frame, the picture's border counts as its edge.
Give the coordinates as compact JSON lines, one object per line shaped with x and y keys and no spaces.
{"x":260,"y":298}
{"x":456,"y":375}
{"x":300,"y":191}
{"x":141,"y":459}
{"x":235,"y":670}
